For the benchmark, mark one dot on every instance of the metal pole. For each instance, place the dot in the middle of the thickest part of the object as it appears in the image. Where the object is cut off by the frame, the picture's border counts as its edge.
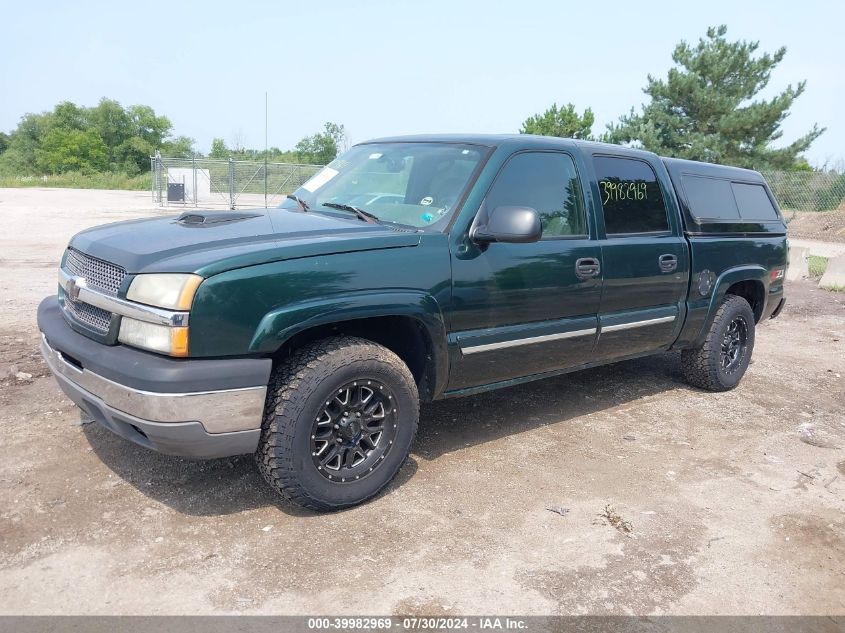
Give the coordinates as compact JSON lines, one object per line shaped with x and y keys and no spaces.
{"x":194,"y":171}
{"x":158,"y":166}
{"x":231,"y":183}
{"x":265,"y":149}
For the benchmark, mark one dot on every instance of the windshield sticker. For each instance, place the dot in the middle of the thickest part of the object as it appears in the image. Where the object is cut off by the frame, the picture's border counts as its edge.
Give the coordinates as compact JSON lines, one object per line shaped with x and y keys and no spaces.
{"x":320,"y":179}
{"x":426,"y":217}
{"x":376,"y":155}
{"x":426,"y":201}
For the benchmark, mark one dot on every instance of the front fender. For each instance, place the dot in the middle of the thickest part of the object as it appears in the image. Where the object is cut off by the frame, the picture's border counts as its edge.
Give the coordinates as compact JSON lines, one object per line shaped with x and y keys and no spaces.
{"x":280,"y":324}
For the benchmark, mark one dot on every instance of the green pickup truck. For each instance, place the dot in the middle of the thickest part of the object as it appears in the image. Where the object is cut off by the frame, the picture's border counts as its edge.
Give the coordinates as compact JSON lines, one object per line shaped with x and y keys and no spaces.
{"x":409,"y":269}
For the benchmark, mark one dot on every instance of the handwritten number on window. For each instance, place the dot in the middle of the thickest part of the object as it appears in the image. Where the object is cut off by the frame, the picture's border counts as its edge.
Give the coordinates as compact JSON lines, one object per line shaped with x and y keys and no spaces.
{"x":614,"y":191}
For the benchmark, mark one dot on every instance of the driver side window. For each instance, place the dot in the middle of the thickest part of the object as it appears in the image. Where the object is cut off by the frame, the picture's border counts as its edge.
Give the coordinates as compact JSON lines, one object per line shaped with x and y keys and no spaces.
{"x":546,"y":182}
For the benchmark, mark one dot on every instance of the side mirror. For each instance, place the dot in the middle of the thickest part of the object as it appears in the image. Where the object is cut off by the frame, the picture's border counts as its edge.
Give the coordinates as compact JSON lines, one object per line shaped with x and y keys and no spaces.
{"x":516,"y":225}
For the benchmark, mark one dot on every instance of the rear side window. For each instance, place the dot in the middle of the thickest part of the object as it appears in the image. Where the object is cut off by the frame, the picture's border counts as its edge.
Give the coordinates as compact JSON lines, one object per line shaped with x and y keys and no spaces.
{"x":753,"y":202}
{"x":725,"y":201}
{"x":630,"y":196}
{"x":546,"y":182}
{"x":710,"y":198}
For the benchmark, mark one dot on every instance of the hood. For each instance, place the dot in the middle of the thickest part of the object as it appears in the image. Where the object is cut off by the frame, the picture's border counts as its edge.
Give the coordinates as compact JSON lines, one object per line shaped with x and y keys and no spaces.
{"x":210,"y":242}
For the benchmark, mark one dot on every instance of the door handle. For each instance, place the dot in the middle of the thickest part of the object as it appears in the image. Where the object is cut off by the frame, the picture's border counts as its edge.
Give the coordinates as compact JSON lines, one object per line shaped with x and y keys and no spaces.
{"x":668,"y":263}
{"x":587,"y":267}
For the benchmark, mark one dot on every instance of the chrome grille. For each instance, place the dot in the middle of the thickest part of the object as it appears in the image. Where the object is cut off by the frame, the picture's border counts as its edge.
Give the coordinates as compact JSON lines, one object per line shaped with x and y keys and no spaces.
{"x":92,"y":316}
{"x":99,"y":275}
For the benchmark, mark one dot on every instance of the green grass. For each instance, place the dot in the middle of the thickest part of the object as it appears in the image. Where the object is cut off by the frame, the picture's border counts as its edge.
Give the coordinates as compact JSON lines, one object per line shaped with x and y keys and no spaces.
{"x":77,"y":180}
{"x":816,"y":265}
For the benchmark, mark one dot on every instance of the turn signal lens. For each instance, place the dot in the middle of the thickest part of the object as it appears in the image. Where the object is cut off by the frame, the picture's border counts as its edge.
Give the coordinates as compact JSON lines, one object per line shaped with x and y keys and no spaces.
{"x":178,"y":341}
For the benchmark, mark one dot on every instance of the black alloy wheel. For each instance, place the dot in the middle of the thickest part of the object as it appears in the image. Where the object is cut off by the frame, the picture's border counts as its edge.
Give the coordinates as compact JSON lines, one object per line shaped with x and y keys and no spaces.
{"x":734,"y":345}
{"x":355,"y":431}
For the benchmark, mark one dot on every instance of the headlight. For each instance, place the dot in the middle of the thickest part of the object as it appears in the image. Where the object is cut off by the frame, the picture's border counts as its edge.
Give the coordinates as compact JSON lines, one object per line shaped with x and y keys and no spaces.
{"x":156,"y":338}
{"x":174,"y":291}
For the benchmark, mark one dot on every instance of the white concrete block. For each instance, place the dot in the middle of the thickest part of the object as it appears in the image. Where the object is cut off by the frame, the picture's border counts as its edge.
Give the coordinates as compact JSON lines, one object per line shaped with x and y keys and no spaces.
{"x":834,"y":275}
{"x":798,"y":265}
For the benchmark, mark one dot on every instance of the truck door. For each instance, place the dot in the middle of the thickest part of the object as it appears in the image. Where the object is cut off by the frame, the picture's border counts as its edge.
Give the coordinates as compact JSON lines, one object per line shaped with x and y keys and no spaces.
{"x":521,"y":309}
{"x":644,"y":256}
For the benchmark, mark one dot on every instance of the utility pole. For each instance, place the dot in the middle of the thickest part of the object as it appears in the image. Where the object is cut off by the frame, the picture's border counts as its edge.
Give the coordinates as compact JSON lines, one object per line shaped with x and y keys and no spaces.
{"x":265,"y":149}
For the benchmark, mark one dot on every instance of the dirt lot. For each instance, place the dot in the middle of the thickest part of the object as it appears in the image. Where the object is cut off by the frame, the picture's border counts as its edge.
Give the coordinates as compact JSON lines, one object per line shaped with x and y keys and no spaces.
{"x":827,"y":226}
{"x":735,"y":502}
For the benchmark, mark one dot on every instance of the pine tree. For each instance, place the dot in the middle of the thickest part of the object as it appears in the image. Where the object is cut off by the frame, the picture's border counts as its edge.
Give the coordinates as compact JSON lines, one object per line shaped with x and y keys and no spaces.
{"x":564,"y":122}
{"x":706,"y":108}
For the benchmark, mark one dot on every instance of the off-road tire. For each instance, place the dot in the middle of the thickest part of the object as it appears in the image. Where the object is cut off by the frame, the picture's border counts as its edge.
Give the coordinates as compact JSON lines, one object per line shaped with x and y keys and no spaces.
{"x":703,"y":367}
{"x":298,"y":389}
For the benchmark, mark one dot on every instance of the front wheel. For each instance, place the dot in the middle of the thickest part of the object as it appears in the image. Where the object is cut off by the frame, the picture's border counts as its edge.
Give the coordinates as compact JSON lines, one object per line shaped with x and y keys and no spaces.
{"x":720,"y":363}
{"x":339,"y":420}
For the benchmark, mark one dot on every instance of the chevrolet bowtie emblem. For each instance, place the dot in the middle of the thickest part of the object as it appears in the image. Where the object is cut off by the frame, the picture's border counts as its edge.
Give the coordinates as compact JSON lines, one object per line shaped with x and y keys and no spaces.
{"x":73,"y":286}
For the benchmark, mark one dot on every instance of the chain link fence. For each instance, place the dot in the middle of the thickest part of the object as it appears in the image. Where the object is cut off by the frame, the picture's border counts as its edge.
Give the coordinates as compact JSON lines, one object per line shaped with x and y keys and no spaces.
{"x":209,"y":182}
{"x":807,"y":190}
{"x":230,"y":183}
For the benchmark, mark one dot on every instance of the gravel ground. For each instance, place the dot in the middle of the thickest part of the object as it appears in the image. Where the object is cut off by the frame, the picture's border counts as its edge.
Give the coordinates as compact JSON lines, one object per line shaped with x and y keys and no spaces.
{"x":615,"y":490}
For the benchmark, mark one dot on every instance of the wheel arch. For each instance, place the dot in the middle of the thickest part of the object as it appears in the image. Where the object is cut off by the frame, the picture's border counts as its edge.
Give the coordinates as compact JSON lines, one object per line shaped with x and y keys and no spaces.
{"x":753,"y":291}
{"x":410,"y":324}
{"x":749,"y":282}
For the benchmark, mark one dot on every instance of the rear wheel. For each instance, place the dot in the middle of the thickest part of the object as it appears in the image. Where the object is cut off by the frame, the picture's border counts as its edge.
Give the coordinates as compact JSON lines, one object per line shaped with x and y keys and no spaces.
{"x":720,"y":363}
{"x":338,"y":424}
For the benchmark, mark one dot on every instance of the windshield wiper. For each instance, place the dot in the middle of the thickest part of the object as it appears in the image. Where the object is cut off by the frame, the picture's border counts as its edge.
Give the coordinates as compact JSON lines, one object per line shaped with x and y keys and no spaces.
{"x":366,"y":216}
{"x":302,"y":204}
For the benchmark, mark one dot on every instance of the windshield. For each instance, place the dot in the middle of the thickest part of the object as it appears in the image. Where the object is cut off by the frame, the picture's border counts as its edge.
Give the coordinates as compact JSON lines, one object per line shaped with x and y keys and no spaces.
{"x":414,"y":184}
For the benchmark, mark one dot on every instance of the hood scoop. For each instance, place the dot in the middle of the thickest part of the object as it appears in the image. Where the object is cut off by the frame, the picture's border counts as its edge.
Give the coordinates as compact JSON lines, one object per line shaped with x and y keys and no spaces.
{"x":213,"y":218}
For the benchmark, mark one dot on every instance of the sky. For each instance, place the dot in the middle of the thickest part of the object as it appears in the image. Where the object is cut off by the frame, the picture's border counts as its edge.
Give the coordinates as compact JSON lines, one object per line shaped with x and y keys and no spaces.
{"x":385,"y":67}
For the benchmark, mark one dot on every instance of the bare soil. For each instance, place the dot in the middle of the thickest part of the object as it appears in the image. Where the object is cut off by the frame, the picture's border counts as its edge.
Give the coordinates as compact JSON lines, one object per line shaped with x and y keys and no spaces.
{"x":615,"y":490}
{"x":826,"y":226}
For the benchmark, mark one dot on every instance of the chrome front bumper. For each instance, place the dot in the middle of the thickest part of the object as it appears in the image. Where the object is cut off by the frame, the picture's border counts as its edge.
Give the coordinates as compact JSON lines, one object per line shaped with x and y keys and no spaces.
{"x":218,"y":411}
{"x":201,"y":407}
{"x":198,"y":424}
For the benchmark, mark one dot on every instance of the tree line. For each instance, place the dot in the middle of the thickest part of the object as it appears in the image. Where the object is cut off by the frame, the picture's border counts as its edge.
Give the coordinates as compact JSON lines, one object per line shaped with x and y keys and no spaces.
{"x":707,"y":108}
{"x":318,"y":149}
{"x":106,"y":137}
{"x":112,"y":138}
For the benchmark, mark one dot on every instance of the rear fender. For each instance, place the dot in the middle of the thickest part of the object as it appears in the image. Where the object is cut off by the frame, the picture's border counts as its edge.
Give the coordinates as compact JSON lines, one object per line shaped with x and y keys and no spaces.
{"x":720,"y":288}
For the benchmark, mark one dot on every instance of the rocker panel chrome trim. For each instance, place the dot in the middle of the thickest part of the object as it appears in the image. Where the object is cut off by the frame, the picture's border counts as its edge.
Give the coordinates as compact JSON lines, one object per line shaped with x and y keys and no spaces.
{"x":487,"y":347}
{"x":636,"y":324}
